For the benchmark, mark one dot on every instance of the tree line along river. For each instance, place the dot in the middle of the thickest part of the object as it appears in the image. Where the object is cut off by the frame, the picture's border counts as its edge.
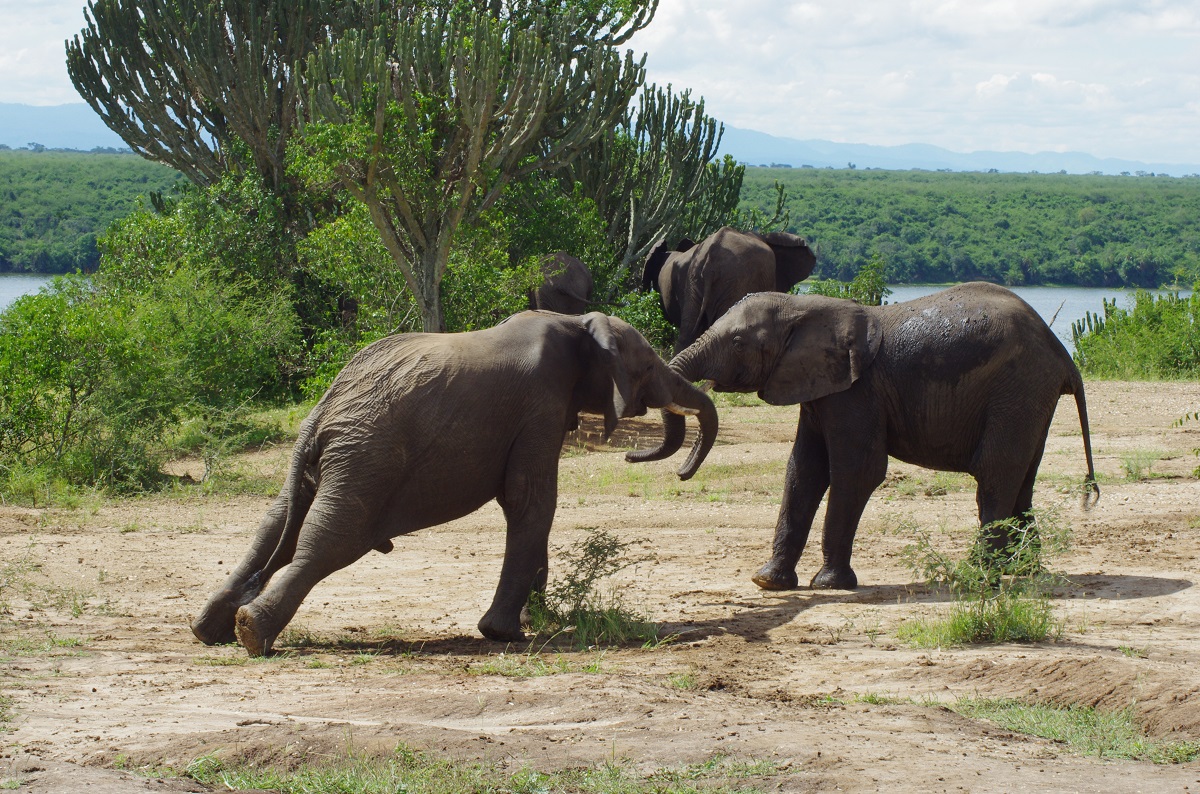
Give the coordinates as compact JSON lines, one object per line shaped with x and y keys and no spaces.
{"x":1068,"y":303}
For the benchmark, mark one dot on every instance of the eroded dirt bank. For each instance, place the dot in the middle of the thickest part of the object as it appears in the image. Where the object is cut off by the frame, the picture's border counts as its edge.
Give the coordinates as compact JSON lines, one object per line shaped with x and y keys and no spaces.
{"x":98,"y":663}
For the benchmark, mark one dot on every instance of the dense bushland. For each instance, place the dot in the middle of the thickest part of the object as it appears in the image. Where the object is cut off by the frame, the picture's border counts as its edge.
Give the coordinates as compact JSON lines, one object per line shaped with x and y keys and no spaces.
{"x":1155,"y":337}
{"x":54,"y":204}
{"x":1015,"y":229}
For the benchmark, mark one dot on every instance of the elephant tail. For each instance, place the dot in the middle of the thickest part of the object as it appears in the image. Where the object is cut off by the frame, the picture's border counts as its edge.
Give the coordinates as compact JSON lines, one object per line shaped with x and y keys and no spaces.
{"x":1091,"y":489}
{"x":301,"y":490}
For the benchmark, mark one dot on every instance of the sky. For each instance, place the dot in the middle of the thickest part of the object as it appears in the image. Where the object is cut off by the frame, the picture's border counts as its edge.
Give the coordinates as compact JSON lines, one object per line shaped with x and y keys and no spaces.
{"x":1112,"y":78}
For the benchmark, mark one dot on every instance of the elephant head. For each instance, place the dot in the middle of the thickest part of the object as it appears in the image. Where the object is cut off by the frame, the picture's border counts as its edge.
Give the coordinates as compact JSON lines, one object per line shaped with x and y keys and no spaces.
{"x":699,"y":282}
{"x":566,"y":285}
{"x":641,"y":380}
{"x":790,"y":349}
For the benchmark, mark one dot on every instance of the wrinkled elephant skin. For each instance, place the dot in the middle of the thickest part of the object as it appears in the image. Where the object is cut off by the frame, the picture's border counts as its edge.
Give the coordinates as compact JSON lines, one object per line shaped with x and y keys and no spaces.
{"x":964,"y":380}
{"x":420,"y":429}
{"x":700,"y":282}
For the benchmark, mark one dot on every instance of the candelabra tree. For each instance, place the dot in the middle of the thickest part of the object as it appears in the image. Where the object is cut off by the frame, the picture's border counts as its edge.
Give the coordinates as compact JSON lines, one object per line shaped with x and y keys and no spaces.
{"x":426,"y":118}
{"x":655,"y":174}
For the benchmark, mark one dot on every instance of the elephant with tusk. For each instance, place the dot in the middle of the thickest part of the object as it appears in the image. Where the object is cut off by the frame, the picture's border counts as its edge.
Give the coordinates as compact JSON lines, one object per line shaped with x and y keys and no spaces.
{"x":421,"y":429}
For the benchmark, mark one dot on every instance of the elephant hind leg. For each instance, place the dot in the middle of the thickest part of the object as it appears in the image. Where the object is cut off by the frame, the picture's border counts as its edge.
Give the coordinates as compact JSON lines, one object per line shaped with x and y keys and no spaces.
{"x":332,"y":537}
{"x":1005,"y":494}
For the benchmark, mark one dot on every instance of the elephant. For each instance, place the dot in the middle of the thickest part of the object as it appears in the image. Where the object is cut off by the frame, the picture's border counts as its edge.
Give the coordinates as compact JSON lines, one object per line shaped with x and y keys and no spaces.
{"x":566,"y":286}
{"x":963,"y":380}
{"x":420,"y":429}
{"x":698,"y":283}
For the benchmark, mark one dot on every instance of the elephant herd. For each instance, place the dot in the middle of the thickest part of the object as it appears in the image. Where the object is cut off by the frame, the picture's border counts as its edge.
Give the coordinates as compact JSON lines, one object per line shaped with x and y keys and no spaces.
{"x":421,"y":429}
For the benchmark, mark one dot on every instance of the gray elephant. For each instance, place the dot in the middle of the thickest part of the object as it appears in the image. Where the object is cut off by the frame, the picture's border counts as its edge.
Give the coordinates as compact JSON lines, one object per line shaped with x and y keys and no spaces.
{"x":420,"y":429}
{"x":566,"y":285}
{"x":698,"y":283}
{"x":963,"y":380}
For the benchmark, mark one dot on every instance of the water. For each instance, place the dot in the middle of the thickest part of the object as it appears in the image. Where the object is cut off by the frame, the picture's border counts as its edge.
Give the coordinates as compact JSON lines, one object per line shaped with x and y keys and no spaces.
{"x":1069,"y":303}
{"x":13,"y":286}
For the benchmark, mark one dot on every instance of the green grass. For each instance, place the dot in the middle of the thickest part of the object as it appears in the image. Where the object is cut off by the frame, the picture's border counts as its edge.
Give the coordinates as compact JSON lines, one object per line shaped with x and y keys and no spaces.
{"x":1008,"y":617}
{"x":410,"y":770}
{"x":1084,"y":730}
{"x":999,"y":596}
{"x":1138,"y":463}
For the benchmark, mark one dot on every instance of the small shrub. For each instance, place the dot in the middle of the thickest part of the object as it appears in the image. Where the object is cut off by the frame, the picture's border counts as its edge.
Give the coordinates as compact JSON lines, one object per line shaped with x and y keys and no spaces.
{"x":1158,"y":337}
{"x":868,"y":287}
{"x":573,"y":604}
{"x":1000,"y":595}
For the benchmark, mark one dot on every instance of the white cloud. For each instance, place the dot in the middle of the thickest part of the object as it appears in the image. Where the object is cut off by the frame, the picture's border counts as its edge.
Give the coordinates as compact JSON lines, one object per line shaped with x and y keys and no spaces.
{"x":1111,"y":77}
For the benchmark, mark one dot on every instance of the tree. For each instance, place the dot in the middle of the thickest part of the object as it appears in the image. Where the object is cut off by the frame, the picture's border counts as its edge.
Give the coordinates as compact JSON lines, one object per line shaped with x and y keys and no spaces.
{"x":653,"y":175}
{"x":426,"y":119}
{"x":205,"y":86}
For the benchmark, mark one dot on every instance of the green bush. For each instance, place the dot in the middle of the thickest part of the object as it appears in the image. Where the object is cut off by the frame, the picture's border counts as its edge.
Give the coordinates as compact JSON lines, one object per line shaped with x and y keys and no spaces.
{"x":999,"y":595}
{"x":84,"y":388}
{"x":643,"y":310}
{"x":868,"y":287}
{"x":1158,"y":337}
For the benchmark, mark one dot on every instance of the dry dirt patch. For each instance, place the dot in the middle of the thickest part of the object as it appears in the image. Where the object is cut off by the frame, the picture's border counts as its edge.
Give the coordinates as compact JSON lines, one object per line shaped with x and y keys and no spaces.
{"x":98,"y":663}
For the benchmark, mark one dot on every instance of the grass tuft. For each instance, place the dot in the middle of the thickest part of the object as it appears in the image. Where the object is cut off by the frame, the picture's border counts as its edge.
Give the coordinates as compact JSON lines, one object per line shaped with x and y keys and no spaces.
{"x":1085,"y":730}
{"x":999,"y":596}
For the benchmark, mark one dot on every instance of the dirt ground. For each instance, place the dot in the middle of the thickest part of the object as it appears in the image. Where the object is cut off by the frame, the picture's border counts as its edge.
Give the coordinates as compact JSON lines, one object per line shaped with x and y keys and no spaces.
{"x":100,"y":671}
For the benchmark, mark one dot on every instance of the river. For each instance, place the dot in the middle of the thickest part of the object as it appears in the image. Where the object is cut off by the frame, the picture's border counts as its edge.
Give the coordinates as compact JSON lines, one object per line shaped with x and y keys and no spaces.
{"x":1070,"y":303}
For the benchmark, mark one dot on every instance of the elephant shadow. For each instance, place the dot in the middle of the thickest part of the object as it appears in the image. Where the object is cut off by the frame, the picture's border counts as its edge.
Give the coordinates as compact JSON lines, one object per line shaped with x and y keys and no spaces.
{"x":753,"y":622}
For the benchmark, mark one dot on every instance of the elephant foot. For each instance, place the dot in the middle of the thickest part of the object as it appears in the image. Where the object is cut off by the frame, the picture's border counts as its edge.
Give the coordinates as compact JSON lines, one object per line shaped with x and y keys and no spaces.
{"x":248,"y":628}
{"x":214,"y":626}
{"x":215,"y":623}
{"x":501,"y":630}
{"x":776,"y":577}
{"x":835,"y":579}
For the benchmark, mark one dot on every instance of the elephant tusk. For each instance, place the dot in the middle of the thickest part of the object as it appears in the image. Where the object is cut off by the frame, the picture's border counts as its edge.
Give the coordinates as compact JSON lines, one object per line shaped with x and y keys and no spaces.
{"x":679,"y":410}
{"x":707,"y":385}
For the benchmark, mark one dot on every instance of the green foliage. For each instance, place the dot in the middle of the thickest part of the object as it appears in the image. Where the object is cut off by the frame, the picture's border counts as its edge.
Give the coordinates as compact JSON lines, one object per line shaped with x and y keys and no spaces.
{"x":868,"y":287}
{"x":643,"y":310}
{"x":573,"y":604}
{"x":1006,"y":228}
{"x":1000,"y":595}
{"x":1158,"y":337}
{"x":95,"y":372}
{"x":1084,"y":729}
{"x":53,"y":205}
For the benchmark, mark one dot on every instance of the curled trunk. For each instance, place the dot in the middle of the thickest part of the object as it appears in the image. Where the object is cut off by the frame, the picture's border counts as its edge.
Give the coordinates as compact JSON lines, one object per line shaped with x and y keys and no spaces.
{"x":686,"y":400}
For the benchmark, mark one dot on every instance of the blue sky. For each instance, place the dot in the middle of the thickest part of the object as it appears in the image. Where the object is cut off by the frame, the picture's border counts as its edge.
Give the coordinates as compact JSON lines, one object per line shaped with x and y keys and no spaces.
{"x":1113,"y":78}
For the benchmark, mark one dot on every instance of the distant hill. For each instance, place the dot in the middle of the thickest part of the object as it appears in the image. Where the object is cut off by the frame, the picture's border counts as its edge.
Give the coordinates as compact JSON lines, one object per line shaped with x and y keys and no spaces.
{"x":74,"y":126}
{"x":757,"y":148}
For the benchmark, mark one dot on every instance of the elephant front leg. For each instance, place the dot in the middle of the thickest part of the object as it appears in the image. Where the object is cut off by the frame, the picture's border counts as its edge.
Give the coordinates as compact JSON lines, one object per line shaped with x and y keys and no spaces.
{"x":529,"y":511}
{"x":215,"y":623}
{"x":853,"y":480}
{"x":805,"y":483}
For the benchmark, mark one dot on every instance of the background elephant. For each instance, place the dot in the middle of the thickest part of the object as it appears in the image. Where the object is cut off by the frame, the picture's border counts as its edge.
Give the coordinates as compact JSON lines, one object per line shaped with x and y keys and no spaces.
{"x":420,"y":429}
{"x":698,"y":283}
{"x":566,"y":285}
{"x":963,"y":380}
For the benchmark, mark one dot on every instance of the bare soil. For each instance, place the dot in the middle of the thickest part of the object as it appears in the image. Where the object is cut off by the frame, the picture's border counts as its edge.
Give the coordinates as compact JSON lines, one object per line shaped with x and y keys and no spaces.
{"x":100,"y":670}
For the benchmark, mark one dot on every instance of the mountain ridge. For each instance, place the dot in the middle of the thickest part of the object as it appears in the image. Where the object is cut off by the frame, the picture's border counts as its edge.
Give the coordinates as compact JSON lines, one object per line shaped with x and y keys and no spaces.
{"x":76,"y":126}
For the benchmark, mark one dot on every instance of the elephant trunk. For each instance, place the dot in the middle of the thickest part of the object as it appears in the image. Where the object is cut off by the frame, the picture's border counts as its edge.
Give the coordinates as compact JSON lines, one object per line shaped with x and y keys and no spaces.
{"x":686,"y":400}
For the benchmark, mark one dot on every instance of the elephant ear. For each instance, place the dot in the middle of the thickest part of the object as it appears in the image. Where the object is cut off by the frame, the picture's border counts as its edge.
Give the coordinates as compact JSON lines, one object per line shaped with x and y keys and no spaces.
{"x":829,"y":347}
{"x":609,"y":356}
{"x":654,"y":265}
{"x":794,"y":260}
{"x":685,"y":245}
